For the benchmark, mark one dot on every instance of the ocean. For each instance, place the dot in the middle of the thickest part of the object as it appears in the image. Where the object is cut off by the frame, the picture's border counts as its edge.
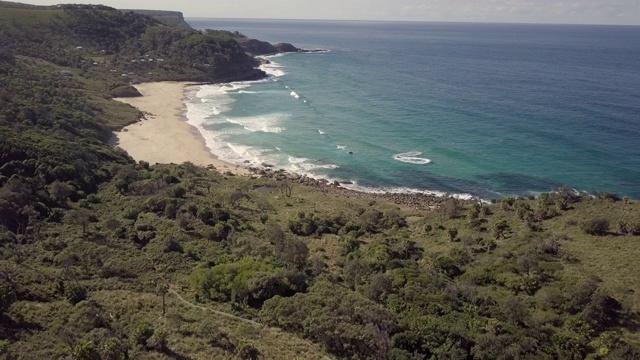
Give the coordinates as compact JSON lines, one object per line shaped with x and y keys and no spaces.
{"x":482,"y":110}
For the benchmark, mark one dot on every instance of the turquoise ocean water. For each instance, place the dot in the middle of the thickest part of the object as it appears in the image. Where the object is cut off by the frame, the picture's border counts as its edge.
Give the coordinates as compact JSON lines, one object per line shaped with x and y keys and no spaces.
{"x":487,"y":110}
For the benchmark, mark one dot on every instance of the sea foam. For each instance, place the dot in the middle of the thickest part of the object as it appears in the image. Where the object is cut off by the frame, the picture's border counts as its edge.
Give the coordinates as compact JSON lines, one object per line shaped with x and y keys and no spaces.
{"x":412,"y":157}
{"x":268,"y":123}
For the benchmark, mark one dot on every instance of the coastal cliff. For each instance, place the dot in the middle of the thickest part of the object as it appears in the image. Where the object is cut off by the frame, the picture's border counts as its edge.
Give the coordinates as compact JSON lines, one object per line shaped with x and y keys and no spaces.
{"x":170,"y":18}
{"x":128,"y":46}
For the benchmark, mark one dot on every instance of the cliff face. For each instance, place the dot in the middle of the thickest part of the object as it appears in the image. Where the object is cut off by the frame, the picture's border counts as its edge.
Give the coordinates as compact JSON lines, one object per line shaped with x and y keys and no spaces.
{"x":258,"y":48}
{"x":255,"y":47}
{"x":170,"y":18}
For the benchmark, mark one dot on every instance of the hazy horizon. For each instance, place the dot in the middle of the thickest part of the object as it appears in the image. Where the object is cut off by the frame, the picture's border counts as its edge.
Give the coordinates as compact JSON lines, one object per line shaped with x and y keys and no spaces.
{"x":597,"y":12}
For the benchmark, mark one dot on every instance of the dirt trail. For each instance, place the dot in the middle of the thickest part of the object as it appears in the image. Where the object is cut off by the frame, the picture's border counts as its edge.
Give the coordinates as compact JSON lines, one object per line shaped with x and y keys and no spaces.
{"x":247,"y":321}
{"x":174,"y":292}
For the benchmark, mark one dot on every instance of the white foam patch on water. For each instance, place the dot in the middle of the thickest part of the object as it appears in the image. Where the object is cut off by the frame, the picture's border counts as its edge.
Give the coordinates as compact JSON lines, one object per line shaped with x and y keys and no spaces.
{"x":341,"y":147}
{"x":206,"y":91}
{"x":214,"y":140}
{"x":309,"y":167}
{"x":412,"y":157}
{"x":405,"y":190}
{"x":198,"y":115}
{"x":295,"y":95}
{"x":321,"y":132}
{"x":234,"y":87}
{"x":272,"y":69}
{"x":205,"y":106}
{"x":244,"y":152}
{"x":268,"y":123}
{"x":215,"y":97}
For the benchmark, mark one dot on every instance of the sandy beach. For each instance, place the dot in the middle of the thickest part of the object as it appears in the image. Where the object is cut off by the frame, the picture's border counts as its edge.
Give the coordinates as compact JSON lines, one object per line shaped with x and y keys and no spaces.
{"x":165,"y":136}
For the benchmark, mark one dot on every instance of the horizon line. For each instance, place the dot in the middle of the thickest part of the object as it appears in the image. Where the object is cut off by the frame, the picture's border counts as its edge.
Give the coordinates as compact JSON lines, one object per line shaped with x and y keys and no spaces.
{"x":405,"y":21}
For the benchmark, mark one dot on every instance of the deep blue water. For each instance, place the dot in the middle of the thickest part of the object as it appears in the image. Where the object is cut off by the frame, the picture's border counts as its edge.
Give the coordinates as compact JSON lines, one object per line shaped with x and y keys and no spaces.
{"x":482,"y":109}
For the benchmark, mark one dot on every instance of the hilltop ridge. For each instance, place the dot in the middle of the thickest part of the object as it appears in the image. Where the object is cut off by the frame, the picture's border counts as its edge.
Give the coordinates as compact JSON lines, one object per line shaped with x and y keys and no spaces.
{"x":170,"y":18}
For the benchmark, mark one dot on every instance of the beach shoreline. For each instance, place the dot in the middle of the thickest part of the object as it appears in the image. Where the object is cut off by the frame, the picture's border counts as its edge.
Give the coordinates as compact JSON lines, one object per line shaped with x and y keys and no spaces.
{"x":163,"y":135}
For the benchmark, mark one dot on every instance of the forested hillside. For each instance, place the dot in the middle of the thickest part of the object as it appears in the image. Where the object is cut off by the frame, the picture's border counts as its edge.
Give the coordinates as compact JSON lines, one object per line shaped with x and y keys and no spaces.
{"x":124,"y":44}
{"x":105,"y":258}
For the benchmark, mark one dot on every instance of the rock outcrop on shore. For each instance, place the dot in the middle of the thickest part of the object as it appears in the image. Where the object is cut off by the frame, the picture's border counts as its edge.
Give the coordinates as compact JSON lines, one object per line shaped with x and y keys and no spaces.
{"x":418,"y":201}
{"x":262,"y":48}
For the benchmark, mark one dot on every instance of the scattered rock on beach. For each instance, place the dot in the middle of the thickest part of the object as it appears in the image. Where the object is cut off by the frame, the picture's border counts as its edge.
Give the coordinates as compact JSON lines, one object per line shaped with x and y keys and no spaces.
{"x":410,"y":200}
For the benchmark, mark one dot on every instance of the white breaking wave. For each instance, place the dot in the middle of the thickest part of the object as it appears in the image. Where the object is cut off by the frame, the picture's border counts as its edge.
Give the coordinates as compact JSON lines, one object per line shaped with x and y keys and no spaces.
{"x":321,"y":132}
{"x":207,"y":91}
{"x":406,"y":190}
{"x":302,"y":165}
{"x":268,"y":123}
{"x":295,"y":95}
{"x":412,"y":157}
{"x":216,"y":99}
{"x":240,"y":154}
{"x":273,"y":69}
{"x":197,"y":115}
{"x":234,"y":87}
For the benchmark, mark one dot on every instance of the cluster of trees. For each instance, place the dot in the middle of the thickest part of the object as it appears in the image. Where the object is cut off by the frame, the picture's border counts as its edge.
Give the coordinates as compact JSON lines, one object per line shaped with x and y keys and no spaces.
{"x":51,"y":146}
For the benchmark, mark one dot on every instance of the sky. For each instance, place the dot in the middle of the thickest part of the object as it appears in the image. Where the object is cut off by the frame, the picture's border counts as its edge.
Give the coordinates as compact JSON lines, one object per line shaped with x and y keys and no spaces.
{"x":619,"y":12}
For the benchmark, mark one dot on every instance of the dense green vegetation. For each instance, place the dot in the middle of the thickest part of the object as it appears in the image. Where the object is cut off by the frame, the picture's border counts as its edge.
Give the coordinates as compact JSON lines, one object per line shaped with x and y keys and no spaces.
{"x":102,"y":40}
{"x":104,"y":258}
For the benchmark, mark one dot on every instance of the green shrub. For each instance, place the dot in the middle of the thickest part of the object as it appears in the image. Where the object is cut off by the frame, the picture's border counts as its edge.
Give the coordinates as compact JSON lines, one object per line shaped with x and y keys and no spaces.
{"x":170,"y":211}
{"x":205,"y":214}
{"x":596,"y":226}
{"x":84,"y":350}
{"x":177,"y":192}
{"x":448,"y":267}
{"x":93,"y":199}
{"x":130,"y":213}
{"x":611,"y":196}
{"x":248,"y":352}
{"x":156,"y":204}
{"x":218,"y":232}
{"x":627,"y":228}
{"x":141,"y":334}
{"x":303,"y":227}
{"x":7,"y":296}
{"x":75,"y":293}
{"x":171,"y":245}
{"x":56,"y":215}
